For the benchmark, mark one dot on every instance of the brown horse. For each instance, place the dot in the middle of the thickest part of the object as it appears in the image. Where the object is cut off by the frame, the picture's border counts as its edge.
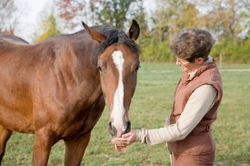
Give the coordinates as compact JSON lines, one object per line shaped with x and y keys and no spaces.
{"x":57,"y":89}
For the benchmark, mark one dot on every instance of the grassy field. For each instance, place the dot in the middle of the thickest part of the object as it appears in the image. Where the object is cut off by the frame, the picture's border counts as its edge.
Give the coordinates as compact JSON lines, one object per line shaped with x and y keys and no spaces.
{"x":151,"y":104}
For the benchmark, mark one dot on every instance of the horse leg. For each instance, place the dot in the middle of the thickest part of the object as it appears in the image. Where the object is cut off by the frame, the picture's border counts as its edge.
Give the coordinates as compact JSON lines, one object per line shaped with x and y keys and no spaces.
{"x":75,"y":150}
{"x":4,"y":137}
{"x":44,"y":140}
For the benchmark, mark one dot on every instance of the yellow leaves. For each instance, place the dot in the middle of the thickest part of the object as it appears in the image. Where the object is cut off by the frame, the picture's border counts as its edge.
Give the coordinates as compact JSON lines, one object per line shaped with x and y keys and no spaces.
{"x":49,"y":28}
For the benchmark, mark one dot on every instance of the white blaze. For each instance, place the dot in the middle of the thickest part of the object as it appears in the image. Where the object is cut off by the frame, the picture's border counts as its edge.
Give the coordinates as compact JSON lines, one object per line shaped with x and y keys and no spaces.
{"x":118,"y":108}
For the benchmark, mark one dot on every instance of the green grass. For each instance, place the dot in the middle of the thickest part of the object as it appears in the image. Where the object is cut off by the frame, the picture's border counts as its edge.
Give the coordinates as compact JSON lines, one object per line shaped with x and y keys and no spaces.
{"x":151,"y":104}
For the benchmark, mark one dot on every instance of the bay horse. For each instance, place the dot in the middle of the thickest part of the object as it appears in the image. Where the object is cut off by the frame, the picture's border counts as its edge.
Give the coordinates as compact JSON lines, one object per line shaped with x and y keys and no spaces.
{"x":57,"y":89}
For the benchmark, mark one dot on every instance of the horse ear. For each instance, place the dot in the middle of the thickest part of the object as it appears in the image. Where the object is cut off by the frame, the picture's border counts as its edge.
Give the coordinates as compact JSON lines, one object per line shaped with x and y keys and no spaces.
{"x":134,"y":30}
{"x":97,"y":36}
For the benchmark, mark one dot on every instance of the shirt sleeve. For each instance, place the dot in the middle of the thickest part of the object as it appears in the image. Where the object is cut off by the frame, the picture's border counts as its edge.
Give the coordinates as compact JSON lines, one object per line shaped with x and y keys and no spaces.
{"x":199,"y":103}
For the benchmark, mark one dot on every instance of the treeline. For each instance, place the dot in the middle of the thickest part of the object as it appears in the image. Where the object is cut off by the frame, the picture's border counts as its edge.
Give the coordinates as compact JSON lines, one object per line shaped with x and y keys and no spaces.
{"x":227,"y":20}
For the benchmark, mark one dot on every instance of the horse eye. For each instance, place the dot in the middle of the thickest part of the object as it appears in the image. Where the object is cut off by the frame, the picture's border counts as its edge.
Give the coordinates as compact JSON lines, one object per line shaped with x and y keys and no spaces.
{"x":99,"y":68}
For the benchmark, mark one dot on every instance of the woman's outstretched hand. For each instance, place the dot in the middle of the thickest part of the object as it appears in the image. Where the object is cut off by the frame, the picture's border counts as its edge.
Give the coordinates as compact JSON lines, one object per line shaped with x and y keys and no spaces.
{"x":125,"y":140}
{"x":129,"y":137}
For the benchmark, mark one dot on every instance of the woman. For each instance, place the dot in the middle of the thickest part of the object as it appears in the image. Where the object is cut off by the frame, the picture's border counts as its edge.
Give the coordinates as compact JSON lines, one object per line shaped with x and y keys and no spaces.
{"x":197,"y":97}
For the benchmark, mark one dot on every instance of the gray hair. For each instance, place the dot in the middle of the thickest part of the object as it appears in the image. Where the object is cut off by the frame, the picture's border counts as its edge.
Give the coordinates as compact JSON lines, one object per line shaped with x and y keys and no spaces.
{"x":191,"y":43}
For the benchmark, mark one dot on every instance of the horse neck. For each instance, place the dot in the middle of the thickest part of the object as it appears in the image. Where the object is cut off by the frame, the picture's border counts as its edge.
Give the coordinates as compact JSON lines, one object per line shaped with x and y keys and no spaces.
{"x":84,"y":49}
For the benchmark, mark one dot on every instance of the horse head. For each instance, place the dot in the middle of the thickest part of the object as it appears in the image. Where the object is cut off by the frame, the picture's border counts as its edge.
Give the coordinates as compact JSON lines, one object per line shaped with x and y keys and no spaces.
{"x":117,"y":62}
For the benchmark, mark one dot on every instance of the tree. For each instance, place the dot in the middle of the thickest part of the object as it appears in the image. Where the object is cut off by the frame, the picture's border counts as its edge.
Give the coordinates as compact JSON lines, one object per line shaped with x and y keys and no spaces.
{"x":170,"y":17}
{"x":111,"y":12}
{"x":174,"y":15}
{"x":49,"y":27}
{"x":7,"y":9}
{"x":226,"y":18}
{"x":69,"y":11}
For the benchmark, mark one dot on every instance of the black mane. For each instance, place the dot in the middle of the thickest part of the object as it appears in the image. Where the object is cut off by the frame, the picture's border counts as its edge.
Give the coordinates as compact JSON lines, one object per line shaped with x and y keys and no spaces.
{"x":114,"y":36}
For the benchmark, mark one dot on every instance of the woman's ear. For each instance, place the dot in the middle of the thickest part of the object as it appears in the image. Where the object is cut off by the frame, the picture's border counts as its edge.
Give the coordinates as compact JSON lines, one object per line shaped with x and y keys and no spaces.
{"x":200,"y":61}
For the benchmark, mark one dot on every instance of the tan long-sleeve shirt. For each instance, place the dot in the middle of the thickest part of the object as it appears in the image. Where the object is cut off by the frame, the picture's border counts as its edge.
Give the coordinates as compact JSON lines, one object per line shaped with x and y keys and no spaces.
{"x":200,"y":102}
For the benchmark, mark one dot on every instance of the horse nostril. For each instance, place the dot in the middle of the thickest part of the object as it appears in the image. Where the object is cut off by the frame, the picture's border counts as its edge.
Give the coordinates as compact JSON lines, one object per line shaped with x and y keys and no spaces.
{"x":128,"y":127}
{"x":112,"y":129}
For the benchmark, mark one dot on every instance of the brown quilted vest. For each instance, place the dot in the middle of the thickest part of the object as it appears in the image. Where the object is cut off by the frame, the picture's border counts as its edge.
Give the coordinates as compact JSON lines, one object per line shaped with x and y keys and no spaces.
{"x":200,"y":140}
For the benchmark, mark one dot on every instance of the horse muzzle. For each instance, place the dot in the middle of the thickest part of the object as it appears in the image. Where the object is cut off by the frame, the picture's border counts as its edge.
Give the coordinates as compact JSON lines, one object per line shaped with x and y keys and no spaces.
{"x":118,"y":131}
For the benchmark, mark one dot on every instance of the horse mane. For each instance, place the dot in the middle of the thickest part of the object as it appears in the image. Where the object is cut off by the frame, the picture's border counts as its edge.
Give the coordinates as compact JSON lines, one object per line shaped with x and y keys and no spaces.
{"x":113,"y":36}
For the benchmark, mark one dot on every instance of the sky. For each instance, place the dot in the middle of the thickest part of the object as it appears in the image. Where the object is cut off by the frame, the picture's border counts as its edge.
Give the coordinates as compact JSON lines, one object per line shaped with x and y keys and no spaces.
{"x":29,"y":19}
{"x":31,"y":12}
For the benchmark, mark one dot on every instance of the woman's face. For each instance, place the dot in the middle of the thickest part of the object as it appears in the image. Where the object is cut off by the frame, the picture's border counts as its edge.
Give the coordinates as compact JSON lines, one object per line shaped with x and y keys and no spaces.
{"x":189,"y":67}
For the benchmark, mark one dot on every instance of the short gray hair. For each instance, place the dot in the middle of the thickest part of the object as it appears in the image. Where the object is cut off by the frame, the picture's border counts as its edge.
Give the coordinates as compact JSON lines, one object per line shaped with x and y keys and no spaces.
{"x":191,"y":43}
